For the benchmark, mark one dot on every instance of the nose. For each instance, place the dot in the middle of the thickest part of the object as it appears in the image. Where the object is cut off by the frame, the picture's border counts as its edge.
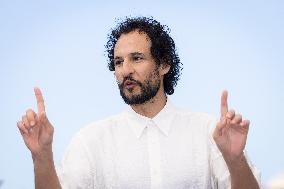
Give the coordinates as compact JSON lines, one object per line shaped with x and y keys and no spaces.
{"x":127,"y":68}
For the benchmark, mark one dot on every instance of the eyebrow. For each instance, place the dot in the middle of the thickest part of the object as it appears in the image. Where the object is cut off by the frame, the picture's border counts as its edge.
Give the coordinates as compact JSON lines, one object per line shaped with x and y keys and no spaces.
{"x":136,"y":53}
{"x":132,"y":54}
{"x":117,"y":57}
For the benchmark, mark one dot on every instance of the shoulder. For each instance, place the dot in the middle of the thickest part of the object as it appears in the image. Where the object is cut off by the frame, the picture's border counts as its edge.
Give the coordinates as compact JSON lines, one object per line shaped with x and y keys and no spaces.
{"x":193,"y":121}
{"x":100,"y":128}
{"x":102,"y":124}
{"x":193,"y":116}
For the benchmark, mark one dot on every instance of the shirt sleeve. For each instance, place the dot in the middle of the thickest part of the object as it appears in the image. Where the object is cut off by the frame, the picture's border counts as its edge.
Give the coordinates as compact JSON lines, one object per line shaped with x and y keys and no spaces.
{"x":220,"y":175}
{"x":75,"y":169}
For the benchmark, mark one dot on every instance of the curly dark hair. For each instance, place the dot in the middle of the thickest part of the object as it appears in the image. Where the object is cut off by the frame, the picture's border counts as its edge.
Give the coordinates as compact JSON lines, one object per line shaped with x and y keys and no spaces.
{"x":162,"y":46}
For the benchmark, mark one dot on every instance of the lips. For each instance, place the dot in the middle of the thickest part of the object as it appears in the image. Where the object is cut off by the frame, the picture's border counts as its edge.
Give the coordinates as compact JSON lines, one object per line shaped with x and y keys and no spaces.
{"x":129,"y":84}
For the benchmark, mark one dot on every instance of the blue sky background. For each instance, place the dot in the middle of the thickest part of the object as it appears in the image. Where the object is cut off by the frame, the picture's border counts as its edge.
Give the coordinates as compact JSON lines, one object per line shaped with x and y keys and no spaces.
{"x":59,"y":46}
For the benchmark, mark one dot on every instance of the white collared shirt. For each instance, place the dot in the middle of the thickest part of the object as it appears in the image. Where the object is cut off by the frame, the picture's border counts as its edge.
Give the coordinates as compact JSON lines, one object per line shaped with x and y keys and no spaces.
{"x":174,"y":150}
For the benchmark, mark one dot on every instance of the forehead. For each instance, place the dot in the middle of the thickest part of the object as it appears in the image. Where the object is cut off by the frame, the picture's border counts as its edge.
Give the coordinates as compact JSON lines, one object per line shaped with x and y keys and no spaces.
{"x":132,"y":42}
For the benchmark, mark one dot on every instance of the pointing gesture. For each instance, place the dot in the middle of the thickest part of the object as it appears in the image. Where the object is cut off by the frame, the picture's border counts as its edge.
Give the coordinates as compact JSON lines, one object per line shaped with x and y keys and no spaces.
{"x":35,"y":128}
{"x":40,"y":101}
{"x":224,"y":104}
{"x":231,"y":132}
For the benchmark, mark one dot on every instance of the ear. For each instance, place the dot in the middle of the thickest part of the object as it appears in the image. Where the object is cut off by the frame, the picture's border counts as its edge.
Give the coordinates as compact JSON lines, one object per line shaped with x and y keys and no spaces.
{"x":164,"y":68}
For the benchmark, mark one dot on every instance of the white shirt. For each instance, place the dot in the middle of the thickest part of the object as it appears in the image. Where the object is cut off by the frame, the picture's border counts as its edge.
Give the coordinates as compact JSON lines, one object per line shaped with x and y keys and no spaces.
{"x":174,"y":150}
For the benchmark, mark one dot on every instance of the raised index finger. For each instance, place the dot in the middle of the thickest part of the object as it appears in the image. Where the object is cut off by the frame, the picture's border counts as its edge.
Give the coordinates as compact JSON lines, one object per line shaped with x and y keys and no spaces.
{"x":39,"y":99}
{"x":224,"y":103}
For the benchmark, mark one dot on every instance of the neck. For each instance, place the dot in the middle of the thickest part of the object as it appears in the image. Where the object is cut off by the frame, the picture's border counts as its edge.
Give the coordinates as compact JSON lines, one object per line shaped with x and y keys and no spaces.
{"x":152,"y":107}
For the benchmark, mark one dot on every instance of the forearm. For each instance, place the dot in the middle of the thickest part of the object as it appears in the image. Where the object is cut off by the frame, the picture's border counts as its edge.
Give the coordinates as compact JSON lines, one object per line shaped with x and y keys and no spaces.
{"x":45,"y":173}
{"x":241,"y":174}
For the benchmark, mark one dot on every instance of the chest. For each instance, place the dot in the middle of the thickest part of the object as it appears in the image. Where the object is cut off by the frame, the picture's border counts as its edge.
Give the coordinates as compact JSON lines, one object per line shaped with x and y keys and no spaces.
{"x":155,"y":161}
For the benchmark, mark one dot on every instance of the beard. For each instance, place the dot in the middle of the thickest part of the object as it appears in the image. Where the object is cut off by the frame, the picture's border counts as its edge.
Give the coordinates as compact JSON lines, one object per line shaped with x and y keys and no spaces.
{"x":149,"y":88}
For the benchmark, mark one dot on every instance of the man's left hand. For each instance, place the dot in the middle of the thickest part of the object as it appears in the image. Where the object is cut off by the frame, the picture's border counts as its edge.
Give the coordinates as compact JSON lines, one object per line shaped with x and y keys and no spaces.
{"x":231,"y":132}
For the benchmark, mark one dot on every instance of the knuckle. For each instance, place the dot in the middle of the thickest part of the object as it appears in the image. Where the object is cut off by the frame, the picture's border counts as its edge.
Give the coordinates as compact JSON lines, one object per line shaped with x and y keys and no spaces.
{"x":21,"y":128}
{"x":237,"y":116}
{"x":230,"y":114}
{"x":30,"y":112}
{"x":24,"y":117}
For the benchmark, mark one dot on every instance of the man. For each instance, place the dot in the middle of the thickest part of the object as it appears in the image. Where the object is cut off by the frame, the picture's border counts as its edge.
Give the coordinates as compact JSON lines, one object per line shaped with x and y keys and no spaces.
{"x":152,"y":144}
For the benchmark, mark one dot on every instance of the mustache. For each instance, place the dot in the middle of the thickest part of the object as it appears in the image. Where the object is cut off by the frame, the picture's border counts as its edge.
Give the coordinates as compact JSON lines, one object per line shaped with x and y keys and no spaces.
{"x":129,"y":78}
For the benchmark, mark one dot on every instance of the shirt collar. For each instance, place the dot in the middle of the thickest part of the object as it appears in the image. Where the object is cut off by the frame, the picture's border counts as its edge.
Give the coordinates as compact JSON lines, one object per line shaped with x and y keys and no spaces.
{"x":163,"y":120}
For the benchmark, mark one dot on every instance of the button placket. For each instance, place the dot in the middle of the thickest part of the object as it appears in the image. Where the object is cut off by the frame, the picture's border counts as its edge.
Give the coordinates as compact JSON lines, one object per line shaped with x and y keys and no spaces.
{"x":154,"y":155}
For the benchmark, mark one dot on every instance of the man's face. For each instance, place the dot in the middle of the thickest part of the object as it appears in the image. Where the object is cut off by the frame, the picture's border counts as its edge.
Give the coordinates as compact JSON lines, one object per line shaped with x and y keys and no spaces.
{"x":137,"y":74}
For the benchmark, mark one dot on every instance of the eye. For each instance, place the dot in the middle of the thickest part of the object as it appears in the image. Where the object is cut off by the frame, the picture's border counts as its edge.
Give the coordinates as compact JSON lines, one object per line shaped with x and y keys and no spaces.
{"x":137,"y":58}
{"x":118,"y":62}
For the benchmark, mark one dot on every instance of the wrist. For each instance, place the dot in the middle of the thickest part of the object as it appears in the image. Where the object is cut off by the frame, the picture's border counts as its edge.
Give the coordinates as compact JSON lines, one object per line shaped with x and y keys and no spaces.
{"x":43,"y":156}
{"x":236,"y":164}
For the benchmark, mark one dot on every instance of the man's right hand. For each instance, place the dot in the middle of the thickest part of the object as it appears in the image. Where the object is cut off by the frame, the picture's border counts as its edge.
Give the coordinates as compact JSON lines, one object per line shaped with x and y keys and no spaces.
{"x":37,"y":133}
{"x":36,"y":129}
